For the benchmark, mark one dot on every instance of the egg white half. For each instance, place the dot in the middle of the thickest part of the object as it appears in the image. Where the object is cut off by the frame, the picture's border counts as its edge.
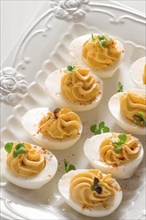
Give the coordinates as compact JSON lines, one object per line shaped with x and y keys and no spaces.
{"x":75,"y":49}
{"x":64,"y":185}
{"x":53,"y":87}
{"x":92,"y":152}
{"x":136,"y":72}
{"x":114,"y":107}
{"x":30,"y":122}
{"x":36,"y":181}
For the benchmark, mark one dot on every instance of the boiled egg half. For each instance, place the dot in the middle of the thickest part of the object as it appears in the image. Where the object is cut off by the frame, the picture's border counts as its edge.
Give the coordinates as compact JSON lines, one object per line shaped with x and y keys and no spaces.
{"x":30,"y":169}
{"x":74,"y":87}
{"x":90,"y":192}
{"x":123,"y":122}
{"x":99,"y":58}
{"x":59,"y":129}
{"x":138,"y":73}
{"x":110,"y":158}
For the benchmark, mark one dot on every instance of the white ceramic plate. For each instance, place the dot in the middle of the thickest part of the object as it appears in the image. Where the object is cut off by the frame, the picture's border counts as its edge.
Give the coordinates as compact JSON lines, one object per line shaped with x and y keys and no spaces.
{"x":47,"y":45}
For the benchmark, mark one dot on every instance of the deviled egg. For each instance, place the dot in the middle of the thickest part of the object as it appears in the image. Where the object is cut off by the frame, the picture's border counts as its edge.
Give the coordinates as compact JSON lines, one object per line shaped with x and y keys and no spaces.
{"x":129,"y":110}
{"x":90,"y":192}
{"x":55,"y":130}
{"x":114,"y":153}
{"x":100,"y":52}
{"x":75,"y":88}
{"x":27,"y":165}
{"x":138,"y":72}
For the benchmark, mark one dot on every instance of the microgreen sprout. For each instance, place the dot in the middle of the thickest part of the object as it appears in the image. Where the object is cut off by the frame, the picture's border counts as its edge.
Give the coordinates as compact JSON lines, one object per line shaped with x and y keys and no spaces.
{"x":97,"y":185}
{"x":103,"y":39}
{"x":140,"y":119}
{"x":19,"y":149}
{"x":100,"y":36}
{"x":118,"y":144}
{"x":8,"y":147}
{"x":119,"y":87}
{"x":68,"y":166}
{"x":70,"y":68}
{"x":103,"y":43}
{"x":102,"y":128}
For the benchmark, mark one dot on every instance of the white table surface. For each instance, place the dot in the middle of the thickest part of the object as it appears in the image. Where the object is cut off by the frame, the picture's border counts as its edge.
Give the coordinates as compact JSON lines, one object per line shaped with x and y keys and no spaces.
{"x":17,"y":15}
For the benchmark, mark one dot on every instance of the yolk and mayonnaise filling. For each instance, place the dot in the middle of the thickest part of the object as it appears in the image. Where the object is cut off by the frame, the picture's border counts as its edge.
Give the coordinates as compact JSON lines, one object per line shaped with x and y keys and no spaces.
{"x":25,"y":160}
{"x":60,"y":124}
{"x":133,"y":107}
{"x":144,"y":74}
{"x":100,"y":51}
{"x":80,"y":86}
{"x":91,"y":189}
{"x":119,"y":149}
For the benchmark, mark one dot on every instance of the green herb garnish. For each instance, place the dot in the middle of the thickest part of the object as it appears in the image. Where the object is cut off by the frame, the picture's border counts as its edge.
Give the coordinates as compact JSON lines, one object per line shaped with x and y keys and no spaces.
{"x":68,"y":166}
{"x":117,"y":150}
{"x":119,"y":87}
{"x":92,"y":36}
{"x":70,"y":68}
{"x":15,"y":153}
{"x":20,"y":149}
{"x":8,"y":147}
{"x":140,"y":119}
{"x":102,"y":128}
{"x":118,"y":144}
{"x":122,"y":137}
{"x":103,"y":39}
{"x":103,"y":43}
{"x":97,"y":185}
{"x":141,"y":114}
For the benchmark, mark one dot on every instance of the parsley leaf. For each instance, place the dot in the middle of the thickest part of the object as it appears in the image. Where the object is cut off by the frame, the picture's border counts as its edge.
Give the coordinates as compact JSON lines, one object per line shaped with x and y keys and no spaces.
{"x":93,"y":128}
{"x":100,"y":36}
{"x":8,"y":147}
{"x":103,"y":39}
{"x":140,"y":119}
{"x":117,"y":150}
{"x":105,"y":129}
{"x":68,"y":166}
{"x":101,"y":124}
{"x":20,"y":149}
{"x":102,"y":128}
{"x":19,"y":146}
{"x":122,"y":137}
{"x":103,"y":43}
{"x":15,"y":153}
{"x":97,"y":131}
{"x":70,"y":68}
{"x":118,"y":144}
{"x":119,"y":87}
